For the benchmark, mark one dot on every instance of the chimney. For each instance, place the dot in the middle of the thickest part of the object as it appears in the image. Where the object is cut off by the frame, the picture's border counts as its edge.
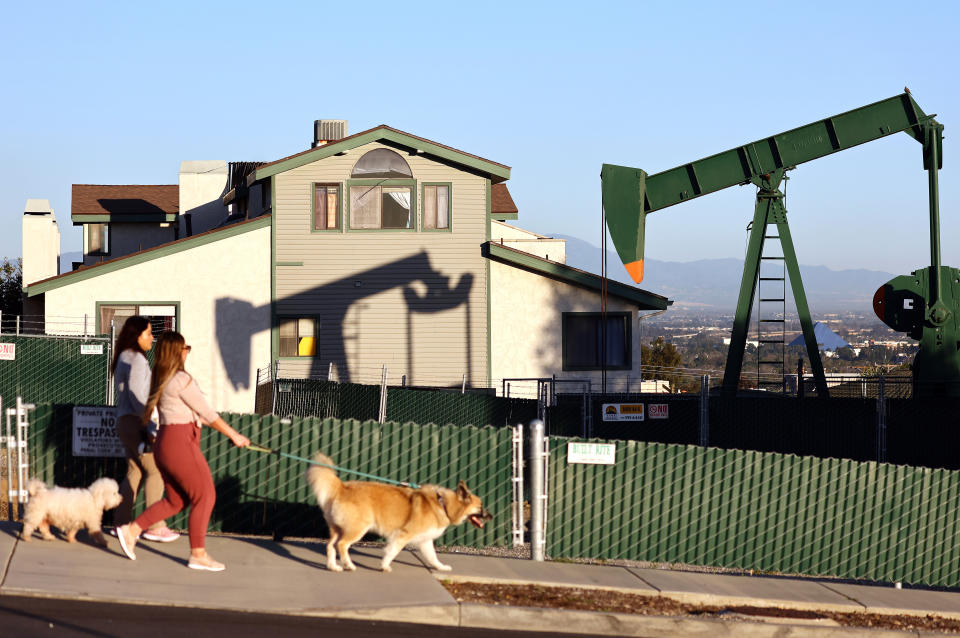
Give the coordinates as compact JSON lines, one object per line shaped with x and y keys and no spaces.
{"x":326,"y":131}
{"x":41,"y":242}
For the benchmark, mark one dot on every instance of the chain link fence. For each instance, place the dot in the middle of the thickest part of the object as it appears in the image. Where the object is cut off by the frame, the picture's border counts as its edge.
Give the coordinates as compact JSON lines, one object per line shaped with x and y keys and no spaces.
{"x":260,"y":493}
{"x":755,"y":511}
{"x":325,"y":398}
{"x":59,"y":369}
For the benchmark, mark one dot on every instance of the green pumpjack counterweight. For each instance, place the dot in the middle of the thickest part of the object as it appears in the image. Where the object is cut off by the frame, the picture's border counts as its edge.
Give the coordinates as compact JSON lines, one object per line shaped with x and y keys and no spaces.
{"x":630,"y":194}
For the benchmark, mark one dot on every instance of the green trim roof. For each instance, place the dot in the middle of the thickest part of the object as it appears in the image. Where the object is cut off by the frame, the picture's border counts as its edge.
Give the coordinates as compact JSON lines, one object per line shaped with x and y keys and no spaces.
{"x":574,"y":276}
{"x":496,"y":172}
{"x":143,"y":256}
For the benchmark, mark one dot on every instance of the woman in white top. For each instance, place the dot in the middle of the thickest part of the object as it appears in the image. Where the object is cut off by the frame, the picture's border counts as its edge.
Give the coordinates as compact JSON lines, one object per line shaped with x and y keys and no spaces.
{"x":186,"y":475}
{"x":131,"y":377}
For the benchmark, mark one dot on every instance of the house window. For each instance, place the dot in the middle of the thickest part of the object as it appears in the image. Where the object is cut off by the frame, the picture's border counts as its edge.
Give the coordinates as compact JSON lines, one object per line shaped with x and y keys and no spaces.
{"x":583,"y":338}
{"x":436,"y":206}
{"x":381,"y":192}
{"x":381,"y":163}
{"x":298,"y":337}
{"x":98,"y":239}
{"x":381,"y":206}
{"x":326,"y":206}
{"x":162,"y":317}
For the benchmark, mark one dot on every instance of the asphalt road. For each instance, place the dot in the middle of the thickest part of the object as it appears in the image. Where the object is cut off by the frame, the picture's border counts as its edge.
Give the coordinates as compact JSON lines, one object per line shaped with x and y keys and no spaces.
{"x":27,"y":617}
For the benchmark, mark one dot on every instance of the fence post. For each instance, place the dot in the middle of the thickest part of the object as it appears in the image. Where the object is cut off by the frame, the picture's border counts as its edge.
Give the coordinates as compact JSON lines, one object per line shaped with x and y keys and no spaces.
{"x":113,"y":336}
{"x":330,"y":372}
{"x":517,"y":506}
{"x":382,"y":411}
{"x":538,"y":496}
{"x":276,"y":377}
{"x":463,"y":386}
{"x":18,"y":325}
{"x":9,"y":443}
{"x":881,"y":420}
{"x":704,"y":410}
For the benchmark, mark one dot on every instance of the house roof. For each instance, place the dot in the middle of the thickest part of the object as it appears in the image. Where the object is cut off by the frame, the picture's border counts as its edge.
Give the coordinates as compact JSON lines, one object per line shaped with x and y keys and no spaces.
{"x":124,"y":202}
{"x":574,"y":276}
{"x":496,"y":171}
{"x":501,"y":204}
{"x":149,"y":254}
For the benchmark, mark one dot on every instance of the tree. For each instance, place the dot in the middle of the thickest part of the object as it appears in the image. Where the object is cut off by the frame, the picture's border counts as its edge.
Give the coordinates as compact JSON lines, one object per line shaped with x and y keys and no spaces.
{"x":11,"y":287}
{"x":662,"y":360}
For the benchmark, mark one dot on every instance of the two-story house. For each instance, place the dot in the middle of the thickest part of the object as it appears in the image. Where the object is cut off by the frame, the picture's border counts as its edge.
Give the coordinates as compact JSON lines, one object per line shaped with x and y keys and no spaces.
{"x":364,"y":251}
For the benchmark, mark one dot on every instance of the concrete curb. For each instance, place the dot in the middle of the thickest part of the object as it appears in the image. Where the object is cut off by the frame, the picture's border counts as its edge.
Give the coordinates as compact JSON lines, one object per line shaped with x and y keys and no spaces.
{"x":563,"y":621}
{"x":478,"y":616}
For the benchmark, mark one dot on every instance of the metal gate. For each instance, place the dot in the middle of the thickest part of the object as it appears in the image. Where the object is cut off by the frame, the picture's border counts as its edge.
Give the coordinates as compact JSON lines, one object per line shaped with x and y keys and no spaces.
{"x":14,"y":460}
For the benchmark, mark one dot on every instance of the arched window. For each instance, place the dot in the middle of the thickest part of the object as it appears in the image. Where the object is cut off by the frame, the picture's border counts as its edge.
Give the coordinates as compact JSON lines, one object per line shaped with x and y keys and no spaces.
{"x":381,"y":191}
{"x":383,"y":163}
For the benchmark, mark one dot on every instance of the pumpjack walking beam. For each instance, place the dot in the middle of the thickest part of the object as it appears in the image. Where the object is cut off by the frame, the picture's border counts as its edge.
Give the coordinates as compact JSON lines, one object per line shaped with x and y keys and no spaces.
{"x":630,"y":194}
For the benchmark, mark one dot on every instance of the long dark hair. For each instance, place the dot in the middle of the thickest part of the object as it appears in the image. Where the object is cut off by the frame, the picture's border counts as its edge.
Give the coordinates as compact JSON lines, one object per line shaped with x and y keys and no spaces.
{"x":166,"y":363}
{"x":133,"y":327}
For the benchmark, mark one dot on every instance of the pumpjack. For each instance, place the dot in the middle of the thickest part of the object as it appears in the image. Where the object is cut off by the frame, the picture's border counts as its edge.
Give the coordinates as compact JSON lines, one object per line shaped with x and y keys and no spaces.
{"x":924,"y":304}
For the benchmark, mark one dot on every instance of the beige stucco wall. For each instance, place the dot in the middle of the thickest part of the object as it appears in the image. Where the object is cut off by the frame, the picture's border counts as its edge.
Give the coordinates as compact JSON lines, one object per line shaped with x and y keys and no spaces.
{"x":202,"y":185}
{"x":223,"y":288}
{"x":412,"y":300}
{"x":526,"y":314}
{"x":529,"y":242}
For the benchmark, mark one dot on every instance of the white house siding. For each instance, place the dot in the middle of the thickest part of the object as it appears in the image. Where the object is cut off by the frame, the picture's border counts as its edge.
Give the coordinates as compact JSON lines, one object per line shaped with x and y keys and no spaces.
{"x":354,"y":281}
{"x":526,"y":314}
{"x":223,"y":288}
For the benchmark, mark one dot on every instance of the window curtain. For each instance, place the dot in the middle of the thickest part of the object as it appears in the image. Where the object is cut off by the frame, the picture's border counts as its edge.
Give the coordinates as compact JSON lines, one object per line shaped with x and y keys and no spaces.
{"x":401,"y":197}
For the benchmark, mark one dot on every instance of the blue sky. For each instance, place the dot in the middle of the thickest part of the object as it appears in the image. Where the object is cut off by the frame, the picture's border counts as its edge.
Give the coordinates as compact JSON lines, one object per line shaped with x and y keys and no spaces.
{"x":120,"y":93}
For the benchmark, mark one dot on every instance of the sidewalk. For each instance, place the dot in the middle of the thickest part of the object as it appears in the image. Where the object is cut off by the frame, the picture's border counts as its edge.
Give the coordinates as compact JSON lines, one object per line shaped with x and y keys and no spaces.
{"x":290,"y":578}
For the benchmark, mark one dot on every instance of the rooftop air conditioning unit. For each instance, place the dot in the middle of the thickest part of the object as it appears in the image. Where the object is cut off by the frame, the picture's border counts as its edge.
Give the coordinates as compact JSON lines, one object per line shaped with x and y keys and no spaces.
{"x":325,"y":131}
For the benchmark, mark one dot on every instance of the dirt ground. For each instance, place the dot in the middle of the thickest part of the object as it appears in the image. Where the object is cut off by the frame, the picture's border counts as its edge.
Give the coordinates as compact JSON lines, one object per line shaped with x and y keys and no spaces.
{"x":619,"y":602}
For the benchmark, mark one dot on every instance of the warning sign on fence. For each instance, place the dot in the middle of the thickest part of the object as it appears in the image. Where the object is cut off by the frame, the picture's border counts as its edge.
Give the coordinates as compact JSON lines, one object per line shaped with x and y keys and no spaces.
{"x":623,"y":412}
{"x":8,"y":351}
{"x":659,"y":410}
{"x":592,"y":453}
{"x":95,"y":432}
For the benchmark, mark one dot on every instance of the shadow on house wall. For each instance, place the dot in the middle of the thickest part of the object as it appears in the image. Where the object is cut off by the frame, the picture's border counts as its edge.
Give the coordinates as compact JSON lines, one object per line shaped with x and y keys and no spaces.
{"x":237,"y":321}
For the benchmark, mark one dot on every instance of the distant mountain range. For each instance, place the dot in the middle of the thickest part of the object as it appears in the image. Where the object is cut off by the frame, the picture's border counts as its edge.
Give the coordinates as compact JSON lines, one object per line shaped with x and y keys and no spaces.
{"x":712,"y":285}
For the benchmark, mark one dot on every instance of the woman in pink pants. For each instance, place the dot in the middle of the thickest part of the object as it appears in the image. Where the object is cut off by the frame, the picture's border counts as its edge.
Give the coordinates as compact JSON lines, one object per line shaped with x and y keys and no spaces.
{"x":186,"y":475}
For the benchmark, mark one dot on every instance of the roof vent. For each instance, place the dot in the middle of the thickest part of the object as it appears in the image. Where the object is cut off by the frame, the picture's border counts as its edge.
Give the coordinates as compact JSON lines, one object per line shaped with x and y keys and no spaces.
{"x":326,"y":131}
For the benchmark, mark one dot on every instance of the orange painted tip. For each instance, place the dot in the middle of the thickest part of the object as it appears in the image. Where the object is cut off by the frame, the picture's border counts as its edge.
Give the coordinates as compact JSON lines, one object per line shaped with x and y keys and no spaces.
{"x":635,"y":268}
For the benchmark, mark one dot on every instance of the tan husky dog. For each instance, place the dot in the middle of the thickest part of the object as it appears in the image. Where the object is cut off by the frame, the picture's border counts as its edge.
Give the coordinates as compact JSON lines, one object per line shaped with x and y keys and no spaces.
{"x":402,"y":515}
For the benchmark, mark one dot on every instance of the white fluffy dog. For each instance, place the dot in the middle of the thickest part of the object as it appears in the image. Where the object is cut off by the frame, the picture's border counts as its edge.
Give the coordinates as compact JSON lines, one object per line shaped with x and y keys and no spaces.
{"x":69,"y":509}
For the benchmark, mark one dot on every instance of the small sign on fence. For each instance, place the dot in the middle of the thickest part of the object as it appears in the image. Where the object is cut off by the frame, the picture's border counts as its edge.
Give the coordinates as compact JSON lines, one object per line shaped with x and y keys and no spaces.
{"x":95,"y":432}
{"x":91,"y":348}
{"x":8,"y":351}
{"x":592,"y":453}
{"x":658,"y":410}
{"x":623,"y":412}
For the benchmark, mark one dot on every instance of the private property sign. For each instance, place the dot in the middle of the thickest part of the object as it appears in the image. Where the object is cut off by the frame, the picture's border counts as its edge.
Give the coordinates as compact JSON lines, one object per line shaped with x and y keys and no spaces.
{"x":95,"y":432}
{"x":592,"y":453}
{"x":623,"y":412}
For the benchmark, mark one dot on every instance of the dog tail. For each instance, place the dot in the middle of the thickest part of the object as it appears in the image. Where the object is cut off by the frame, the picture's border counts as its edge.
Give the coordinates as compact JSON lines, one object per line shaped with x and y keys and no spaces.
{"x":323,"y":480}
{"x":35,"y":486}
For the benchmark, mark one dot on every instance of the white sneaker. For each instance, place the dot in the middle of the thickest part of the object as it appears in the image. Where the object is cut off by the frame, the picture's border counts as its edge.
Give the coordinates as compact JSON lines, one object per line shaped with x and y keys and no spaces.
{"x":160,"y":535}
{"x":126,"y":544}
{"x":206,"y":563}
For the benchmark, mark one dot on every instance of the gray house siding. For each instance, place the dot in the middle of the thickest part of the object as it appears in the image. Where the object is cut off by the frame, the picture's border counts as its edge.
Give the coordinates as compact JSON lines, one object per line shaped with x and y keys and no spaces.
{"x":412,"y":300}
